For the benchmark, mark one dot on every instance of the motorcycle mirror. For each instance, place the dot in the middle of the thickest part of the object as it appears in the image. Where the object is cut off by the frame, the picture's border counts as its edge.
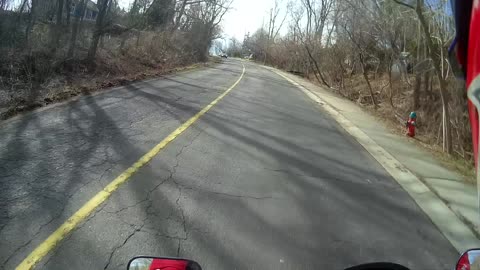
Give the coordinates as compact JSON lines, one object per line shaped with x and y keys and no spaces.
{"x":470,"y":260}
{"x":160,"y":263}
{"x":378,"y":266}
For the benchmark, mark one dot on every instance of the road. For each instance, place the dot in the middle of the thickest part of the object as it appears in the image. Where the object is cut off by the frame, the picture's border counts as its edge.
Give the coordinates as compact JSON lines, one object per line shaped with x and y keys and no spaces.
{"x":264,"y":180}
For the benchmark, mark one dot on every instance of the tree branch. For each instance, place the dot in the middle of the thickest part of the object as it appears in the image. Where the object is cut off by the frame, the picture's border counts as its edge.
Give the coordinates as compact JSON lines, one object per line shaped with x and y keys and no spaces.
{"x":404,"y":4}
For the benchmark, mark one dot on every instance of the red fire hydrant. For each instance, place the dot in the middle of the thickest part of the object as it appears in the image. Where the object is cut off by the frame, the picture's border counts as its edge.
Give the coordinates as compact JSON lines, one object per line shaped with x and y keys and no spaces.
{"x":411,"y":124}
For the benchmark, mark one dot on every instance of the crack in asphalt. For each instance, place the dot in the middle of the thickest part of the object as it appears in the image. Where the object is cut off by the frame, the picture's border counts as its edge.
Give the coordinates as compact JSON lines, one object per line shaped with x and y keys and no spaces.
{"x":107,"y":159}
{"x":178,"y":248}
{"x":147,"y":198}
{"x":139,"y":228}
{"x":37,"y":178}
{"x":239,"y":196}
{"x":285,"y":172}
{"x":123,"y":244}
{"x":54,"y":217}
{"x":28,"y":195}
{"x":170,"y":177}
{"x":3,"y":226}
{"x":152,"y":232}
{"x":39,"y":230}
{"x":184,"y":221}
{"x":69,"y":236}
{"x":11,"y":217}
{"x":228,"y":194}
{"x":29,"y":241}
{"x":8,"y":174}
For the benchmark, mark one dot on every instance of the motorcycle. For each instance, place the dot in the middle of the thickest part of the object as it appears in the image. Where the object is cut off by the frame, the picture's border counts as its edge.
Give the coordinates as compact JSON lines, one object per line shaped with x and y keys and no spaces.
{"x":470,"y":260}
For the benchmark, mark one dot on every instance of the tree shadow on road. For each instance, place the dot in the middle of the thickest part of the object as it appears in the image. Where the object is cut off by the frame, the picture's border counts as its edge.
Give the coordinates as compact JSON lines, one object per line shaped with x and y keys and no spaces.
{"x":381,"y":211}
{"x":59,"y":159}
{"x":100,"y":145}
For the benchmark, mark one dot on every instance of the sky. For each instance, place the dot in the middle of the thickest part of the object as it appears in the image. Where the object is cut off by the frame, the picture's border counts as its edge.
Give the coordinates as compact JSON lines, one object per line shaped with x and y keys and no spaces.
{"x":245,"y":16}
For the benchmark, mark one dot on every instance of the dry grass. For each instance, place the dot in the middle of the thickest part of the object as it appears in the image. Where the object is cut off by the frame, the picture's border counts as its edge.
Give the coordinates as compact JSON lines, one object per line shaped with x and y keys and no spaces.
{"x":34,"y":79}
{"x":429,"y":118}
{"x":464,"y":167}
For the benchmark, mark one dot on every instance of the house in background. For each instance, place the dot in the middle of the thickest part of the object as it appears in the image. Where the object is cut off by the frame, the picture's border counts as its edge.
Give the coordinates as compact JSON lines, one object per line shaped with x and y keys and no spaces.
{"x":47,"y":9}
{"x":91,"y":11}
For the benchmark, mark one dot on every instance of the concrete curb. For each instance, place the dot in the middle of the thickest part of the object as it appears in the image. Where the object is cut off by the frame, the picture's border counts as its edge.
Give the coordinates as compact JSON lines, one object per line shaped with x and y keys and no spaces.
{"x":458,"y":233}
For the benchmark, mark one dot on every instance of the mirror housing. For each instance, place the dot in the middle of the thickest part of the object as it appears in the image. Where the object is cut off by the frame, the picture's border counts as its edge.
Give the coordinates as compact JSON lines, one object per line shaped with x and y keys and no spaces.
{"x":378,"y":266}
{"x":470,"y":260}
{"x":160,"y":263}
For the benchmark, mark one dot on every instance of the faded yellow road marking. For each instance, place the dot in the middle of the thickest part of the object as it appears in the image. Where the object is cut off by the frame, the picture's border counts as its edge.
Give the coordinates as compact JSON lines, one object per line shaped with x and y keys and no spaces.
{"x":58,"y":235}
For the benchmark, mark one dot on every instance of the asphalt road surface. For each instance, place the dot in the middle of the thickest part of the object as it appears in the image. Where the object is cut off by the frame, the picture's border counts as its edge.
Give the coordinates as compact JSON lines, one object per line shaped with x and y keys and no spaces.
{"x":264,"y":180}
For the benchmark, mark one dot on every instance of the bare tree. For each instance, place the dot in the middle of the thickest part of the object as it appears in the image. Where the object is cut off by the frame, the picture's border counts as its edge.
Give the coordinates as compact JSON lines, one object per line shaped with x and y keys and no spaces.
{"x":31,"y":20}
{"x":99,"y":24}
{"x":273,"y":26}
{"x":3,"y":4}
{"x":235,"y":48}
{"x":360,"y":44}
{"x":68,"y":11}
{"x":437,"y":63}
{"x":311,"y":35}
{"x":79,"y":14}
{"x":206,"y":17}
{"x":373,"y":49}
{"x":57,"y":29}
{"x":180,"y":13}
{"x":154,"y":35}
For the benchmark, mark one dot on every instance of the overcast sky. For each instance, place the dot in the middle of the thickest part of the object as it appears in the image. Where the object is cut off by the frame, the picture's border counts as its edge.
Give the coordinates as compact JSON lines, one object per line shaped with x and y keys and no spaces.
{"x":246,"y":16}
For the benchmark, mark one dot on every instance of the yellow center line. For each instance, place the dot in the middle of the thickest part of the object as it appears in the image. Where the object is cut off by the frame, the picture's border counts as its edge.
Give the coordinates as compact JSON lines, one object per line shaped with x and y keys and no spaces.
{"x":58,"y":235}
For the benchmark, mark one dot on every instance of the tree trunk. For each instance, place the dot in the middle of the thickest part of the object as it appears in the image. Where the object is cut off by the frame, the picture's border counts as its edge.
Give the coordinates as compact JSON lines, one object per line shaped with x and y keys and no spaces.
{"x":432,"y":48}
{"x":92,"y":51}
{"x":97,"y":33}
{"x":22,"y":8}
{"x":416,"y":92}
{"x":179,"y":16}
{"x":207,"y":42}
{"x":57,"y":30}
{"x":31,"y":21}
{"x":18,"y":20}
{"x":265,"y":56}
{"x":390,"y":83}
{"x":68,"y":9}
{"x":75,"y":28}
{"x":124,"y":38}
{"x":391,"y":94}
{"x":426,"y":82}
{"x":316,"y":67}
{"x":137,"y":43}
{"x":365,"y":76}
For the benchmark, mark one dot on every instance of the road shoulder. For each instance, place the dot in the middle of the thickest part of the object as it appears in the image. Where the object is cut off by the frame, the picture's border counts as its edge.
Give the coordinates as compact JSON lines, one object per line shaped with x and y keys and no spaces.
{"x":434,"y":188}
